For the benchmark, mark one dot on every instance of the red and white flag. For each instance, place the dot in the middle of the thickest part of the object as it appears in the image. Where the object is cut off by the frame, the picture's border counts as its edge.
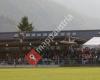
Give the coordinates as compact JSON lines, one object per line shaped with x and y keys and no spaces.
{"x":33,"y":57}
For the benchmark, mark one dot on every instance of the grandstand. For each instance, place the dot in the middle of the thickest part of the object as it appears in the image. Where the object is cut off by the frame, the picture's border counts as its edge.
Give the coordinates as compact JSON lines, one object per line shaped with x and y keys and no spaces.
{"x":12,"y":50}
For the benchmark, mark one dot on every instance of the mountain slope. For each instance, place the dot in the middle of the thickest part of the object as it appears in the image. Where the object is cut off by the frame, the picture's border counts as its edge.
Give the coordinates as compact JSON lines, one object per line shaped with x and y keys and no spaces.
{"x":44,"y":14}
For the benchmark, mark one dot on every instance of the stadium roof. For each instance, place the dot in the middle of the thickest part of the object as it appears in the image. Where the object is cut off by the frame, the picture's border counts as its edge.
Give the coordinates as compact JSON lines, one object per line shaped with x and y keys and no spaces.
{"x":85,"y":34}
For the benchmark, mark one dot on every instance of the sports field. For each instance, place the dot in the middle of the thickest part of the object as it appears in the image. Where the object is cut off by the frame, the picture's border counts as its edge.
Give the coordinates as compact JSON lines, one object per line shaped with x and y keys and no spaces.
{"x":72,"y":73}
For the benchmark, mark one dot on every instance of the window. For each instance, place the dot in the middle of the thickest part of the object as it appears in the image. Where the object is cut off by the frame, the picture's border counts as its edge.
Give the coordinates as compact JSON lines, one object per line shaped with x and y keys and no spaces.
{"x":45,"y":34}
{"x":33,"y":34}
{"x":27,"y":35}
{"x":62,"y":34}
{"x":38,"y":34}
{"x":16,"y":35}
{"x":74,"y":33}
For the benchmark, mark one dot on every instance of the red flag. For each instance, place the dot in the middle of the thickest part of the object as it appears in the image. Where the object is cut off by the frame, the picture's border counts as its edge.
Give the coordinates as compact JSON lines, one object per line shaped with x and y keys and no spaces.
{"x":33,"y":57}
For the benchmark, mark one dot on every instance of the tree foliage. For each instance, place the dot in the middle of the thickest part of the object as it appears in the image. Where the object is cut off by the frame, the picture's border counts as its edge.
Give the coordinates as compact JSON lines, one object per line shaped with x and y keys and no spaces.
{"x":24,"y":25}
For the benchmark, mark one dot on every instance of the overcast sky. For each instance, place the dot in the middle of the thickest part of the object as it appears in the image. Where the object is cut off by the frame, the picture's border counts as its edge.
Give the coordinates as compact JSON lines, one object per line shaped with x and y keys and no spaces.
{"x":46,"y":14}
{"x":87,"y":7}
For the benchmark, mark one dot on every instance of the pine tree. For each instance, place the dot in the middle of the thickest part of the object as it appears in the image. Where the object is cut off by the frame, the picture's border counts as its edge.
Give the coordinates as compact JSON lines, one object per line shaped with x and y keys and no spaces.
{"x":24,"y":25}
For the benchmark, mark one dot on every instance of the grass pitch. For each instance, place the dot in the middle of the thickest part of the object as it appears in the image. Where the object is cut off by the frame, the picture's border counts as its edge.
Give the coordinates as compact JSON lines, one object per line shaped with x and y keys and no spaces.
{"x":72,"y":73}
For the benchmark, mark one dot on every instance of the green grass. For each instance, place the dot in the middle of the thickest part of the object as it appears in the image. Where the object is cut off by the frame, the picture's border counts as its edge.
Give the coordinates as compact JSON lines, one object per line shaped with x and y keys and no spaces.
{"x":72,"y":73}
